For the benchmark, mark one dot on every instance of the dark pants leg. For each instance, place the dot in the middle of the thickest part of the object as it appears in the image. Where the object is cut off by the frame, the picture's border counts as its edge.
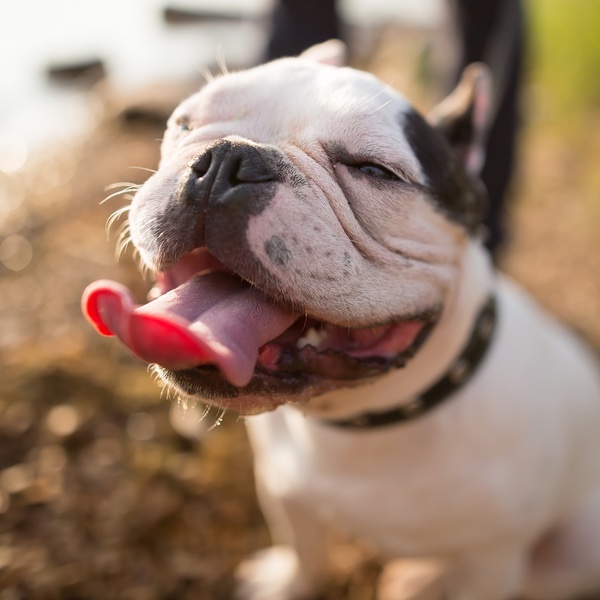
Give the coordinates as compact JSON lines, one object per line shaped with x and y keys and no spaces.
{"x":478,"y":22}
{"x":298,"y":24}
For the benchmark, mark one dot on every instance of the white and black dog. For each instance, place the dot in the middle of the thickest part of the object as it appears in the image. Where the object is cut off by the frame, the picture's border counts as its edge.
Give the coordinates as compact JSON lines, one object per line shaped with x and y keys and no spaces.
{"x":316,"y":251}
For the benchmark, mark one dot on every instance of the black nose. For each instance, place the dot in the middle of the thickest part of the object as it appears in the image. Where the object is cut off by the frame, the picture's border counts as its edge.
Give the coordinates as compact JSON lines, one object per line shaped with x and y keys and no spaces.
{"x":226,"y":164}
{"x":227,"y":184}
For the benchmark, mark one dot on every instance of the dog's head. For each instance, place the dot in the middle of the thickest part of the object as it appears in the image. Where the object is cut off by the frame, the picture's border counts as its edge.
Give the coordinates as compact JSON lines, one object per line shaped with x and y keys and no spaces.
{"x":305,"y":226}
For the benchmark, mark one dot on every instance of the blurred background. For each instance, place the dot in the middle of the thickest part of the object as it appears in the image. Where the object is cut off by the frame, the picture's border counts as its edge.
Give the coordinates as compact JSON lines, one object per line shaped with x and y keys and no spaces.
{"x":108,"y":489}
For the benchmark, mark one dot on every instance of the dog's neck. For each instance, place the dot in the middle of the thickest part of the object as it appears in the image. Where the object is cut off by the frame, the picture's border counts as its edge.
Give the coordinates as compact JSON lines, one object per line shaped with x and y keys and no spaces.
{"x":444,"y":345}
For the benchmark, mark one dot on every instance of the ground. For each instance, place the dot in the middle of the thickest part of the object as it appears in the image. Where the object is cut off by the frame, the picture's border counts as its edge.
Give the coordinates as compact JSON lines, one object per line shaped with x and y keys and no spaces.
{"x":100,"y":497}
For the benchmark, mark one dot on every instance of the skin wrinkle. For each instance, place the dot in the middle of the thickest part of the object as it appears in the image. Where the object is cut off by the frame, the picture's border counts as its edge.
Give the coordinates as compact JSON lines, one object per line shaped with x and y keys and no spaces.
{"x":353,"y":231}
{"x":338,"y":203}
{"x":309,"y":246}
{"x":235,"y":269}
{"x":431,"y":257}
{"x":379,"y":154}
{"x":393,"y":223}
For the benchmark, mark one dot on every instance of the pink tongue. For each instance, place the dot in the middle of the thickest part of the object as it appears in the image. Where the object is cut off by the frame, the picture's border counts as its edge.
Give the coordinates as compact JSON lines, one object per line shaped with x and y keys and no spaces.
{"x":213,"y":319}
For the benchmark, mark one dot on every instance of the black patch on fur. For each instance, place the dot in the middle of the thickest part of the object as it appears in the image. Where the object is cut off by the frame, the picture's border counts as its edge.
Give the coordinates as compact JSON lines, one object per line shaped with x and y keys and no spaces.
{"x":239,"y":181}
{"x":237,"y":178}
{"x":459,"y":129}
{"x":277,"y":251}
{"x":459,"y":196}
{"x":229,"y":181}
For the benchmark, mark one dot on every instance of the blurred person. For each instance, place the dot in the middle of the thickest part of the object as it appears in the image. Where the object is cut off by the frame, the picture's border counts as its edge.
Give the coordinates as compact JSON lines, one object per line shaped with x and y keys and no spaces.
{"x":487,"y":30}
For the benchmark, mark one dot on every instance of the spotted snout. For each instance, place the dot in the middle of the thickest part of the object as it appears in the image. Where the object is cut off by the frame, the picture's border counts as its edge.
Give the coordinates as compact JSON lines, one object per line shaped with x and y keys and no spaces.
{"x":208,"y":204}
{"x":229,"y":182}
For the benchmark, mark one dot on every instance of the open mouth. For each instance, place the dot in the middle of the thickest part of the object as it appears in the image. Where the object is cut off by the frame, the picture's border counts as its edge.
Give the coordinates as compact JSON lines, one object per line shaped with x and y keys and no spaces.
{"x":216,"y":335}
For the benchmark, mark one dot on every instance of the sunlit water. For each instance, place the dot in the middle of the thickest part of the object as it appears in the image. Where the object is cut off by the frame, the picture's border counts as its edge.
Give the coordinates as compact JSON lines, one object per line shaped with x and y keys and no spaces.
{"x":136,"y":48}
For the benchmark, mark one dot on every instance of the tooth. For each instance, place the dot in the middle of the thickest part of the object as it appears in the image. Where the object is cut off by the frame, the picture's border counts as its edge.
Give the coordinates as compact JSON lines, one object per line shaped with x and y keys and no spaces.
{"x":311,"y":337}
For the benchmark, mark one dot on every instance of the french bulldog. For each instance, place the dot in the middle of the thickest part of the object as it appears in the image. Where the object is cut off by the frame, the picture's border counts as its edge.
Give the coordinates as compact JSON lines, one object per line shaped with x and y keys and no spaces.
{"x":320,"y":269}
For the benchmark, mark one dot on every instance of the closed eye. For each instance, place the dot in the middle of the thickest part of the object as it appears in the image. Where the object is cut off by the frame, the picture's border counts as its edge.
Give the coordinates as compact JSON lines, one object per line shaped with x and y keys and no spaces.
{"x":375,"y":171}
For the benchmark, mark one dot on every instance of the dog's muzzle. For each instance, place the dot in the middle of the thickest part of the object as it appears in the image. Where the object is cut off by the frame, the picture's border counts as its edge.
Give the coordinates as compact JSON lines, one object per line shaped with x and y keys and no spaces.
{"x":229,"y":180}
{"x":228,"y":183}
{"x":211,"y":326}
{"x":233,"y":164}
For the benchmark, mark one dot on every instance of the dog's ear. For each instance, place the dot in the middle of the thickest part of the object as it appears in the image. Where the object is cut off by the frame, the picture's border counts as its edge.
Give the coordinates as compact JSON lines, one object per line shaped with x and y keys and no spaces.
{"x":331,"y":52}
{"x":463,"y":117}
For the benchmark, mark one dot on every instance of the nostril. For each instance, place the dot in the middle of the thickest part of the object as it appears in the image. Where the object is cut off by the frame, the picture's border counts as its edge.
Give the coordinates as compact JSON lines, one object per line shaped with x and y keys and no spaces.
{"x":232,"y":165}
{"x":201,"y":165}
{"x":235,"y":168}
{"x":252,"y":168}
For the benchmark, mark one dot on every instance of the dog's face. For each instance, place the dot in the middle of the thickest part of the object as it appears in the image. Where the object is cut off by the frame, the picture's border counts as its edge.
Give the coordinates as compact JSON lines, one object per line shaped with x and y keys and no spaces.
{"x":305,"y":227}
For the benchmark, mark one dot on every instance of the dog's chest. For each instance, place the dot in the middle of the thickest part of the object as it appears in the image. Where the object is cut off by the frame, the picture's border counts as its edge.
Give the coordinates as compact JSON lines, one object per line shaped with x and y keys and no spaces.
{"x":409,"y":497}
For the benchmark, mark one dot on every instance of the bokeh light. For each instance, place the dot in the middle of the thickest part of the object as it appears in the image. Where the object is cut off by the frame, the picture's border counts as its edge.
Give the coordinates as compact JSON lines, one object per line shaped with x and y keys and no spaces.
{"x":13,"y":152}
{"x":15,"y":252}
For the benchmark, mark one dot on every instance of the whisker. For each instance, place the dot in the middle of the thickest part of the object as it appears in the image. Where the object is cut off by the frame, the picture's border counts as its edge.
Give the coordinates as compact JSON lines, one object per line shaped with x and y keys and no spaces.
{"x":123,"y":230}
{"x":384,"y":104}
{"x":381,"y":91}
{"x":167,"y":388}
{"x":124,"y":241}
{"x":143,"y":267}
{"x":164,"y":389}
{"x":205,"y":412}
{"x":207,"y":74}
{"x":117,"y":184}
{"x":219,"y":419}
{"x":110,"y":222}
{"x":127,"y":190}
{"x":155,"y":376}
{"x":144,"y":169}
{"x":122,"y":248}
{"x":221,"y":63}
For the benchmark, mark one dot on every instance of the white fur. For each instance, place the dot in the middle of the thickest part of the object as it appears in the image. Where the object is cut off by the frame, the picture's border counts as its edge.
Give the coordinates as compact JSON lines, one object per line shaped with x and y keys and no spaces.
{"x":476,"y":483}
{"x":505,"y":468}
{"x":498,"y":488}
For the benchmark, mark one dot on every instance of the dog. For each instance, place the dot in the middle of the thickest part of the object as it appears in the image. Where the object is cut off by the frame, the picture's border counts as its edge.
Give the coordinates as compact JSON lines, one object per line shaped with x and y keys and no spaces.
{"x":320,"y":269}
